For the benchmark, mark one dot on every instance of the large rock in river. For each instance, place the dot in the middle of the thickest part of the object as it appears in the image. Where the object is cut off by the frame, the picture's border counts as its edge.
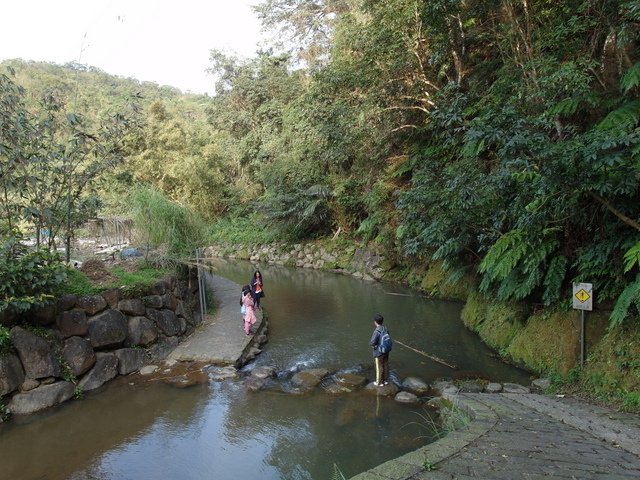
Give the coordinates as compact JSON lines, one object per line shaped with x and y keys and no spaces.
{"x":105,"y":368}
{"x":130,"y":360}
{"x":108,"y":329}
{"x":79,"y":355}
{"x":415,"y":385}
{"x":40,"y":398}
{"x":308,"y":379}
{"x":11,"y":373}
{"x":36,"y":354}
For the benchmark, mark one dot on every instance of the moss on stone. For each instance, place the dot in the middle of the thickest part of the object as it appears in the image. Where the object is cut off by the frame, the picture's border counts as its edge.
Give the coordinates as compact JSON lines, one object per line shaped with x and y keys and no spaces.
{"x":474,"y":311}
{"x":548,"y":342}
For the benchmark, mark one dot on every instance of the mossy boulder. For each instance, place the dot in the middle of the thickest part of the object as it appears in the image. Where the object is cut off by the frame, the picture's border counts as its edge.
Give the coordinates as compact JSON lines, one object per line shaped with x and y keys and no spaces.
{"x":436,"y":282}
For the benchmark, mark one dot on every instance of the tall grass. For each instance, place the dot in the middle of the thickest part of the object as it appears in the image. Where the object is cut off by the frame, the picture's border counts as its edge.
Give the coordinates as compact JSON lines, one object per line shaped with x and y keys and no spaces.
{"x":163,"y":224}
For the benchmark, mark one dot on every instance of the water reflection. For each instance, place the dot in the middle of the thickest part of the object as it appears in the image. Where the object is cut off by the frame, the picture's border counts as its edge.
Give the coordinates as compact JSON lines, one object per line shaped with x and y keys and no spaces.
{"x":224,"y":431}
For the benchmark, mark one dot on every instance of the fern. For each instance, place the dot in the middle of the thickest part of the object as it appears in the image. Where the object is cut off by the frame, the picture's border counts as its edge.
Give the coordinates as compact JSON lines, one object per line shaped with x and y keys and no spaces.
{"x":554,"y":278}
{"x":621,"y":120}
{"x":631,"y":79}
{"x":337,"y":474}
{"x":629,"y":296}
{"x":632,"y":257}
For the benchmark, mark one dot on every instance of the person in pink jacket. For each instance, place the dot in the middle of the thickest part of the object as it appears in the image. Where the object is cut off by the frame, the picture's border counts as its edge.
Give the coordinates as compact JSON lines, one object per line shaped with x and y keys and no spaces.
{"x":249,"y":314}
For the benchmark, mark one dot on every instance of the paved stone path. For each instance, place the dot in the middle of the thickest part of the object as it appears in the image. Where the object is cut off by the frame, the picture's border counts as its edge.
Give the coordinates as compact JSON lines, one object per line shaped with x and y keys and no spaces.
{"x":526,"y":436}
{"x":219,"y":340}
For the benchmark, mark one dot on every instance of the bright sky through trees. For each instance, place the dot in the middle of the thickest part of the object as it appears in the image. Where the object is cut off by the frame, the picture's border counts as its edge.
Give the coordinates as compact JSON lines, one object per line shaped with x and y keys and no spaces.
{"x":164,"y":41}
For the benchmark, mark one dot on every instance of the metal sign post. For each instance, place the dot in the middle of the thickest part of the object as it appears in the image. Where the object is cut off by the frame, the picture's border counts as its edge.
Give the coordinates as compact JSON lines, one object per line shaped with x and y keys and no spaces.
{"x":582,"y":300}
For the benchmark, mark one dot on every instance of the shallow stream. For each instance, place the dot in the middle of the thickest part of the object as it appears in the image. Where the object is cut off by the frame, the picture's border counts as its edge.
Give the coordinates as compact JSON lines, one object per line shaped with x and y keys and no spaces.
{"x":149,"y":430}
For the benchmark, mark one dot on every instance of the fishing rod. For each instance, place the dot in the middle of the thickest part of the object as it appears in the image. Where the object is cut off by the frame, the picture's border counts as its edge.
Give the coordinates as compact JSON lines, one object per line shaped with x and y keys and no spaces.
{"x":432,"y":357}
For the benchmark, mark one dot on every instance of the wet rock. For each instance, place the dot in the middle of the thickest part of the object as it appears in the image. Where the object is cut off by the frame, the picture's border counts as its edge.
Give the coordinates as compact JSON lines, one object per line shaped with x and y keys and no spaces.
{"x":149,"y":369}
{"x":153,"y":301}
{"x":222,"y":373}
{"x":254,"y":383}
{"x":132,"y":306}
{"x":444,"y":385}
{"x":108,"y":329}
{"x":141,"y":331}
{"x":79,"y":355}
{"x":470,"y":386}
{"x":36,"y":354}
{"x":493,"y":387}
{"x":40,"y":398}
{"x":308,"y":379}
{"x":11,"y":373}
{"x":439,"y":403}
{"x":105,"y":368}
{"x":350,"y":381}
{"x":263,"y":372}
{"x":541,"y":384}
{"x":388,"y":390}
{"x":188,"y":379}
{"x":406,"y":397}
{"x":415,"y":385}
{"x":130,"y":359}
{"x":73,"y":323}
{"x":92,"y":304}
{"x":514,"y":388}
{"x":66,"y":302}
{"x":166,"y":320}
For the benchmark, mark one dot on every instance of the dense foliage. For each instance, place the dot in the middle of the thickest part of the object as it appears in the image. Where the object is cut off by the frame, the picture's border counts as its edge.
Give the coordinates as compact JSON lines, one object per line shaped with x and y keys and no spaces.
{"x":499,"y":137}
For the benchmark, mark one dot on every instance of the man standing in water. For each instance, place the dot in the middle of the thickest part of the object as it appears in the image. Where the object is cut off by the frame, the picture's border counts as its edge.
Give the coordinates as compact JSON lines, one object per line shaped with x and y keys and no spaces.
{"x":381,"y":344}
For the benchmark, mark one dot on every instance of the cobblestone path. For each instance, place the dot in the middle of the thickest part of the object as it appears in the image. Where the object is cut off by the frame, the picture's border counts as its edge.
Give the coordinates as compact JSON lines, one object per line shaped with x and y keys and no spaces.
{"x":526,"y":436}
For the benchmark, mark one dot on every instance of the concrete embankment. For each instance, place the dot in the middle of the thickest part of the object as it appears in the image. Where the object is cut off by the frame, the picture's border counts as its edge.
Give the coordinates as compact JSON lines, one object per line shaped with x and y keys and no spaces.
{"x":220,"y":340}
{"x":525,"y":436}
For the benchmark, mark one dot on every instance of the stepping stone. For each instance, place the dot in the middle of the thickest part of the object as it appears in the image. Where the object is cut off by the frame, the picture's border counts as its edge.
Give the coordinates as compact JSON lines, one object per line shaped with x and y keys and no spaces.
{"x":514,"y":388}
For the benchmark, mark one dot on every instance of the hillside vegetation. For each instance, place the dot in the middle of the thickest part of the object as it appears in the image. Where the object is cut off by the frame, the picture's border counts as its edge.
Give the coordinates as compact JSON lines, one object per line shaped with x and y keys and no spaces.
{"x":497,"y":139}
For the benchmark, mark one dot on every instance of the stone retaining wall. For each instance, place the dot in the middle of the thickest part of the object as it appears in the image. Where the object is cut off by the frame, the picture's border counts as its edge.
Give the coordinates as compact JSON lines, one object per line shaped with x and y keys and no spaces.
{"x":79,"y":343}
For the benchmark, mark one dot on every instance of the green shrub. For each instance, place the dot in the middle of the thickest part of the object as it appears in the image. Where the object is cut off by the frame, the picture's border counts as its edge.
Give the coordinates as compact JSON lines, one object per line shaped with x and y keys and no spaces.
{"x":5,"y":340}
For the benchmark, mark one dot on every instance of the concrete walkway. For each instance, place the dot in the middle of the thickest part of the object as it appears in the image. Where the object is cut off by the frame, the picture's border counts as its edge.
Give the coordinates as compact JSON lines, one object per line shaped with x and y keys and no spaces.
{"x":219,"y":340}
{"x":526,"y":436}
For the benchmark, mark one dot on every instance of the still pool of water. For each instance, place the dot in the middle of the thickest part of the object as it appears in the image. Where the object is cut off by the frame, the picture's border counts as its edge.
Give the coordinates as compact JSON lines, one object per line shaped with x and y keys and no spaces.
{"x":149,"y":430}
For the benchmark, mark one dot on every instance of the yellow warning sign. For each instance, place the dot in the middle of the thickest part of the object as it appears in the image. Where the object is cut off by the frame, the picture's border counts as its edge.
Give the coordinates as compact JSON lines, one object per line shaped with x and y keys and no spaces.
{"x":582,"y":295}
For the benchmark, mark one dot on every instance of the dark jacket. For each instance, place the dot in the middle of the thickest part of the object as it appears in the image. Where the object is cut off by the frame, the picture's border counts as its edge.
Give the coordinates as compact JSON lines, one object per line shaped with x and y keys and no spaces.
{"x":375,"y":340}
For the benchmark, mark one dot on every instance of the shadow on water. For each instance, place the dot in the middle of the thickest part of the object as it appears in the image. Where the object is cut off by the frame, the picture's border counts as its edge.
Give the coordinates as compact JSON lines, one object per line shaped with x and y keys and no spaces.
{"x":224,"y":431}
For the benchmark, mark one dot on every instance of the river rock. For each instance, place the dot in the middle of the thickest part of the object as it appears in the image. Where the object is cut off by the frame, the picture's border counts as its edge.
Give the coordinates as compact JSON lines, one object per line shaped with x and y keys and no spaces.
{"x":163,"y":347}
{"x":29,"y":384}
{"x":141,"y":331}
{"x":149,"y":370}
{"x":254,"y":383}
{"x":388,"y":390}
{"x":406,"y":397}
{"x":514,"y":388}
{"x":493,"y":387}
{"x":350,"y":382}
{"x":105,"y":368}
{"x":152,"y":301}
{"x":130,"y":359}
{"x":263,"y":372}
{"x":66,"y":302}
{"x":443,"y":386}
{"x":108,"y":329}
{"x":188,"y":379}
{"x":44,"y":315}
{"x":439,"y":403}
{"x":73,"y":323}
{"x":36,"y":354}
{"x":166,"y":320}
{"x":415,"y":385}
{"x":11,"y":373}
{"x":92,"y":304}
{"x":112,"y":297}
{"x":132,"y":306}
{"x":222,"y":373}
{"x":79,"y":355}
{"x":40,"y":398}
{"x":541,"y":384}
{"x":470,"y":386}
{"x":308,"y":379}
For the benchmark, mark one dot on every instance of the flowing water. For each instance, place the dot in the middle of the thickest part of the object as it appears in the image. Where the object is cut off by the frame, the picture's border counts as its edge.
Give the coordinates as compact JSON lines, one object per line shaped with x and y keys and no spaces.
{"x":149,"y":430}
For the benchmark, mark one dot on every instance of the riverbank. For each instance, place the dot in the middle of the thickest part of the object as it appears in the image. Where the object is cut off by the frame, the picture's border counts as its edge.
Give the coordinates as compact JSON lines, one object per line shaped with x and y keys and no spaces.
{"x":524,"y":436}
{"x":542,"y":340}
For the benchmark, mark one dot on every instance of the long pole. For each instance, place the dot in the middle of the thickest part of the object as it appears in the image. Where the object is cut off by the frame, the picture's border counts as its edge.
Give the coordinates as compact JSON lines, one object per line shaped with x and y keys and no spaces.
{"x":432,"y":357}
{"x":581,"y":338}
{"x":199,"y":284}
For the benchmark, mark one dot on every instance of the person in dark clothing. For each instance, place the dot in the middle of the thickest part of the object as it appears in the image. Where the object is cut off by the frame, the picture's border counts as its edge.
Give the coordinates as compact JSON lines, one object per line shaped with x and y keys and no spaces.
{"x":257,"y":291}
{"x":381,"y":360}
